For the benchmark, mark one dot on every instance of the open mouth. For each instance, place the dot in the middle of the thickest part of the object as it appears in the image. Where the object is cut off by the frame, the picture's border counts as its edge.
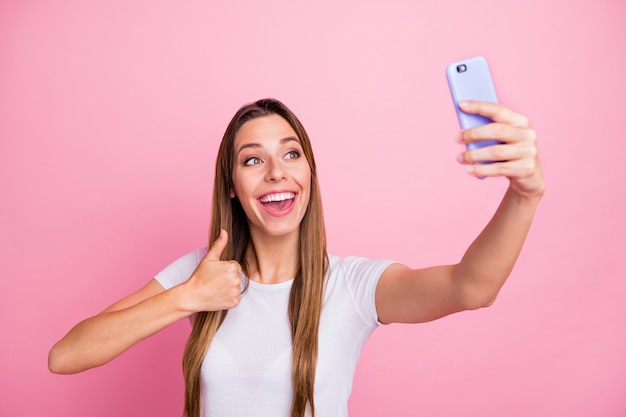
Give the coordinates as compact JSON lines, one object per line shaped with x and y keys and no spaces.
{"x":278,"y":202}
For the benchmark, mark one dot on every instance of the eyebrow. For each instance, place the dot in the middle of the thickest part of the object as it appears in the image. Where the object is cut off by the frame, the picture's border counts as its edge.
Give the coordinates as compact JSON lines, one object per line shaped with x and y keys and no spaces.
{"x":258,"y":145}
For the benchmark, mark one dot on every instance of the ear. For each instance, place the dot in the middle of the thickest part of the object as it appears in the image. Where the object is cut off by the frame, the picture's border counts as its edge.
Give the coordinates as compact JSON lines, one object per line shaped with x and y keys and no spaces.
{"x":232,"y":193}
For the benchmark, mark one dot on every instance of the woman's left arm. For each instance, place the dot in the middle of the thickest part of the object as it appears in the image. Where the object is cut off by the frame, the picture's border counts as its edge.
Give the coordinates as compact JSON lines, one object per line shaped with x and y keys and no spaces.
{"x":407,"y":295}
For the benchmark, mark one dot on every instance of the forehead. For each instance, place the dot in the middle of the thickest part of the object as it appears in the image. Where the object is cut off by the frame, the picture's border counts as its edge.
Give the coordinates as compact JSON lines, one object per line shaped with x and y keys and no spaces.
{"x":264,"y":129}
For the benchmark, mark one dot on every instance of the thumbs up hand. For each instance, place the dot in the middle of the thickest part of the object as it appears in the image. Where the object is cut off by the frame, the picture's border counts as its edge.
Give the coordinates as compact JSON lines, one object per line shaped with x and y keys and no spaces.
{"x":214,"y":285}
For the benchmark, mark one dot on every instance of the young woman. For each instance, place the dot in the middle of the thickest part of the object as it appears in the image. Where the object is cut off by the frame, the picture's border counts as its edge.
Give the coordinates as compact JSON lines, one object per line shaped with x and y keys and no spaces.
{"x":278,"y":324}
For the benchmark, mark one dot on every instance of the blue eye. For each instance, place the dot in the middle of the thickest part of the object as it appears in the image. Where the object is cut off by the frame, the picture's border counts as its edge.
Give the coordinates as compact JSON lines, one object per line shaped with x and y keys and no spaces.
{"x":252,"y":161}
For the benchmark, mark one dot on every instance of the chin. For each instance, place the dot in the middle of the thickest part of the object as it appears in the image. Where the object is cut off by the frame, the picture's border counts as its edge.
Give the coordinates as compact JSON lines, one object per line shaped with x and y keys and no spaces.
{"x":282,"y":230}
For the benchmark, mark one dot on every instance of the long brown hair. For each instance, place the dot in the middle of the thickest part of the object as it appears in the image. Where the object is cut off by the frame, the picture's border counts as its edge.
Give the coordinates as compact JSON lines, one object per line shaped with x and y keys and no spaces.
{"x":305,"y":299}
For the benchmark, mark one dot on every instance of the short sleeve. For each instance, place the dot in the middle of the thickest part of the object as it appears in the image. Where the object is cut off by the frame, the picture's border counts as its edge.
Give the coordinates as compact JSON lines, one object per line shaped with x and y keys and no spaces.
{"x":180,"y":270}
{"x":361,"y":277}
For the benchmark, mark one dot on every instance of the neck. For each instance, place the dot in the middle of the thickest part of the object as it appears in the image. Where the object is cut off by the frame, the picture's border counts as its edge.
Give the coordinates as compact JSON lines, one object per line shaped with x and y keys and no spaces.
{"x":271,"y":259}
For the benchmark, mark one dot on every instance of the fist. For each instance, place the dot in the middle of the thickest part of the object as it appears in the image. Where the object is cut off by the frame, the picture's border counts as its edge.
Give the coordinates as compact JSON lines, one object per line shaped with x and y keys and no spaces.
{"x":516,"y":158}
{"x":214,"y":285}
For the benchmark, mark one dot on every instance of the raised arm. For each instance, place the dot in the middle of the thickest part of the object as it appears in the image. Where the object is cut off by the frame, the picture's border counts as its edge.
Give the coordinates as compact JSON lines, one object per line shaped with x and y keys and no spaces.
{"x":416,"y":295}
{"x":214,"y":285}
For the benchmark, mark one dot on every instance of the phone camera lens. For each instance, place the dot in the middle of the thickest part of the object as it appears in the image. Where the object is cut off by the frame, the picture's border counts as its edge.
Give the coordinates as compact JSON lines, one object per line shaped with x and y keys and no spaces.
{"x":461,"y":68}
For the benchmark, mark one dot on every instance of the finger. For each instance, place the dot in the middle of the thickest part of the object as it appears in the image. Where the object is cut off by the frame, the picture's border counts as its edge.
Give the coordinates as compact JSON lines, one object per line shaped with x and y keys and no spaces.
{"x":500,"y":153}
{"x":235,"y":267}
{"x":488,"y":154}
{"x":216,"y":250}
{"x":498,"y":131}
{"x":518,"y":168}
{"x":240,"y":280}
{"x":495,"y":111}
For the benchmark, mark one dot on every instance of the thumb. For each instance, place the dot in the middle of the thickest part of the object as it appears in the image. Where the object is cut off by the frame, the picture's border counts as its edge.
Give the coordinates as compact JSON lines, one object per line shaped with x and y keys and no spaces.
{"x":218,"y":246}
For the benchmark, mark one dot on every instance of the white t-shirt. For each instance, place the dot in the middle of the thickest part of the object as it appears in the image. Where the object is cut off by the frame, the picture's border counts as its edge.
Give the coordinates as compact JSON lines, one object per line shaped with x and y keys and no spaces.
{"x":247,"y":370}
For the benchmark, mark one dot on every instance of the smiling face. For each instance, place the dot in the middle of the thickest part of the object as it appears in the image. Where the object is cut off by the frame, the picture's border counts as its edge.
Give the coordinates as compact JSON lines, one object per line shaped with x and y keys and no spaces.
{"x":271,"y":176}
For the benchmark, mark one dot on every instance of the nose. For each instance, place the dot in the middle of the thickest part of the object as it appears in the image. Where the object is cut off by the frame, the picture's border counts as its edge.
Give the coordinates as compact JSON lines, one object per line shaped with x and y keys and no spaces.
{"x":275,"y":171}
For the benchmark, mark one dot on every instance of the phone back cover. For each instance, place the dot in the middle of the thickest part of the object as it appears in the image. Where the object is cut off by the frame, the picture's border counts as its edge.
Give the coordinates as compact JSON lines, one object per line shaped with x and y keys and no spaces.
{"x":473,"y":84}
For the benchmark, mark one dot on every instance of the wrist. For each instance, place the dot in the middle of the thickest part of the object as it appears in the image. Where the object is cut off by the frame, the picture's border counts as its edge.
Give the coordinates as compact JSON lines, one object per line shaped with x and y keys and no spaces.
{"x":526,"y":198}
{"x":181,"y":300}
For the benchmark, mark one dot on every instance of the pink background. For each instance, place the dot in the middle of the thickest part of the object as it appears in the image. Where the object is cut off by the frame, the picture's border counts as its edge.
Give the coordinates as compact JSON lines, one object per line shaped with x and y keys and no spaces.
{"x":110,"y":117}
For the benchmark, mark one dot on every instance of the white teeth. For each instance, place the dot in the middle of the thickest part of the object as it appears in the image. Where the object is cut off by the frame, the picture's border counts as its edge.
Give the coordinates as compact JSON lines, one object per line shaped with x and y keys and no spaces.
{"x":277,"y":197}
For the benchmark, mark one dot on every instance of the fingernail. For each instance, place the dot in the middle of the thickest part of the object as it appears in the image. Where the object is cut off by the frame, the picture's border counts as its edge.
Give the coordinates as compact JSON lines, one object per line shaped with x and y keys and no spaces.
{"x":460,"y":158}
{"x":470,"y":170}
{"x":464,"y":104}
{"x":458,"y":137}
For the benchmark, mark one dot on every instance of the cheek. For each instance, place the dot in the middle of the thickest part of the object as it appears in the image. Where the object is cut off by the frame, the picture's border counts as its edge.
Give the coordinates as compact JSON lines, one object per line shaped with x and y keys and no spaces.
{"x":306,"y":181}
{"x":303,"y":177}
{"x":241,"y":185}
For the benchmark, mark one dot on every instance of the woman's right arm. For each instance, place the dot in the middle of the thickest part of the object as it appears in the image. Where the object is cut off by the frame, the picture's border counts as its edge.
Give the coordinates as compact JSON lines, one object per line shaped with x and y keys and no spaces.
{"x":214,"y":285}
{"x":97,"y":340}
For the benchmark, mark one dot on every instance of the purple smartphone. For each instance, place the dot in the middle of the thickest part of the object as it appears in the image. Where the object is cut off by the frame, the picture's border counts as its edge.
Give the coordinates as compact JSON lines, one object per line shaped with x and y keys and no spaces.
{"x":470,"y":79}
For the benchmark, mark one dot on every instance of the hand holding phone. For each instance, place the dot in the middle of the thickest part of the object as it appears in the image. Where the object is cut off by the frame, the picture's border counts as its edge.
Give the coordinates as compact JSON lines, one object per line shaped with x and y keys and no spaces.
{"x":470,"y":79}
